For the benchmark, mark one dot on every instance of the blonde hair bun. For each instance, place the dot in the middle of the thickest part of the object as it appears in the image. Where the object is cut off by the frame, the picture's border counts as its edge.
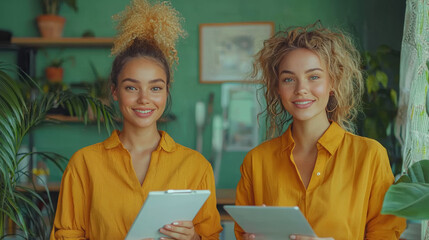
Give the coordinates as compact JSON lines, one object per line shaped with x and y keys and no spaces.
{"x":158,"y":23}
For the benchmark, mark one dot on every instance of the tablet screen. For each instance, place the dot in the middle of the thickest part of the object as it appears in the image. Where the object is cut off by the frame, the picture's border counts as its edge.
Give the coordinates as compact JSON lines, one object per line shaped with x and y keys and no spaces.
{"x":270,"y":222}
{"x":165,"y":207}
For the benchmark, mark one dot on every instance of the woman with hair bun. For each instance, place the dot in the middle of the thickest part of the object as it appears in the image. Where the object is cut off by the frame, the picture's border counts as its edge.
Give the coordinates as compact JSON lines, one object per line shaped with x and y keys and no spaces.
{"x":312,"y":78}
{"x":105,"y":184}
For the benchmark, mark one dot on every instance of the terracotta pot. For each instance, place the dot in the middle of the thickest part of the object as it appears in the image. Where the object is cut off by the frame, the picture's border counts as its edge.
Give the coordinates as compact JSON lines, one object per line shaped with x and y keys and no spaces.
{"x":54,"y":74}
{"x":51,"y":26}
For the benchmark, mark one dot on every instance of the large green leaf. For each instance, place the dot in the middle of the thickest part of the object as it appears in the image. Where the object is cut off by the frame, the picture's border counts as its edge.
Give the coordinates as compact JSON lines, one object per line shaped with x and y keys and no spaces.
{"x":419,"y":172}
{"x":408,"y":200}
{"x":409,"y":196}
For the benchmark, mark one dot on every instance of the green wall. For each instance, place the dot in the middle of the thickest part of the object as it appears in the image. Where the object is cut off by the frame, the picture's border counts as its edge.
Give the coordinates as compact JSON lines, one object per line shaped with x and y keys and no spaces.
{"x":371,"y":22}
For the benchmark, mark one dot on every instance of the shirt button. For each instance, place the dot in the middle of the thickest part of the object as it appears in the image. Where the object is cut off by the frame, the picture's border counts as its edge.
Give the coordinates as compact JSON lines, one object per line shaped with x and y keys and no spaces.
{"x":318,"y":173}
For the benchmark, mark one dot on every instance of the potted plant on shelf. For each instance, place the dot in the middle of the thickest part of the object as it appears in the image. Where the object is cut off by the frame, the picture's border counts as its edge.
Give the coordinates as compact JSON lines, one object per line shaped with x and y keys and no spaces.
{"x":50,"y":23}
{"x":54,"y":71}
{"x":19,"y":113}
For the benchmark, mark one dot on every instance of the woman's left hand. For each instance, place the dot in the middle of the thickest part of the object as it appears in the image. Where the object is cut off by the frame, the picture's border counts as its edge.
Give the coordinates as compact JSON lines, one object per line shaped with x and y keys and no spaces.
{"x":302,"y":237}
{"x":180,"y":230}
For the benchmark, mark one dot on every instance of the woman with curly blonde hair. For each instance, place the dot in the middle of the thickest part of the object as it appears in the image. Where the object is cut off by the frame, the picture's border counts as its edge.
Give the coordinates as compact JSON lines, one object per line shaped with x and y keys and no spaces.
{"x":105,"y":184}
{"x":312,"y":78}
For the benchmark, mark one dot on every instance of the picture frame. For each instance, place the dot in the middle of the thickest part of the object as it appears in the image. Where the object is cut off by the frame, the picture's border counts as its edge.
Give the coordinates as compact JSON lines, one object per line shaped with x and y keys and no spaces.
{"x":227,"y":50}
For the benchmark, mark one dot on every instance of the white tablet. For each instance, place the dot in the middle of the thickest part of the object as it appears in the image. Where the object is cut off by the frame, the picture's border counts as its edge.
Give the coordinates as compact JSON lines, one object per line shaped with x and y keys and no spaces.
{"x":165,"y":207}
{"x":270,"y":223}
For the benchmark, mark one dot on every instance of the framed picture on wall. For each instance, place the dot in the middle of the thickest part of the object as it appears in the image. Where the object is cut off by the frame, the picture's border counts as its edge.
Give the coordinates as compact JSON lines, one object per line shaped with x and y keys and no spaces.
{"x":227,"y":50}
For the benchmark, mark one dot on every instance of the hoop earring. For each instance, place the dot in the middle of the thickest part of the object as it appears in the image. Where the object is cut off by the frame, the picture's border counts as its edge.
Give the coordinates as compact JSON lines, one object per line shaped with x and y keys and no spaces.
{"x":332,"y":101}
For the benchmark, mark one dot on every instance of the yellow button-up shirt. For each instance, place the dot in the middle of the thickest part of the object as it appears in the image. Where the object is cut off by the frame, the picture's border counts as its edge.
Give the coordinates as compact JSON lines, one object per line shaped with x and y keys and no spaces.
{"x":100,"y":194}
{"x":346,"y":191}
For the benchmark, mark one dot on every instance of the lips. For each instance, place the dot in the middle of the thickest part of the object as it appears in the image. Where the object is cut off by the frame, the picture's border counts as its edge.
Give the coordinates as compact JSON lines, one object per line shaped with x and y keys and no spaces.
{"x":304,"y":103}
{"x":143,"y":112}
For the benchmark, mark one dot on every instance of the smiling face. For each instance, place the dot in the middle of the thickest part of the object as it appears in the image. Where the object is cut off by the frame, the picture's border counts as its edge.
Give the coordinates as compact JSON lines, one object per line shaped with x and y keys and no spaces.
{"x":141,"y":92}
{"x":304,"y":85}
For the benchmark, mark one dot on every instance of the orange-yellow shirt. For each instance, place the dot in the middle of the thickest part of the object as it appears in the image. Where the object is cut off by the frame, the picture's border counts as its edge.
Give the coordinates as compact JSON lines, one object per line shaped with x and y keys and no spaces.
{"x":100,"y":194}
{"x":346,"y":191}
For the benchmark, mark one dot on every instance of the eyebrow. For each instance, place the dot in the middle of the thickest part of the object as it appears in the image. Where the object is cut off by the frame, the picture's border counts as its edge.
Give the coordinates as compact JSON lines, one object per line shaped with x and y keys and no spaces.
{"x":137,"y":81}
{"x":309,"y":70}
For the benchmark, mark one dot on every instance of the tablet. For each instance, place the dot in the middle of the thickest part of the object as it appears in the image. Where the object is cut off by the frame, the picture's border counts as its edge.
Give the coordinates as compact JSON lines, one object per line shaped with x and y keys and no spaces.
{"x":165,"y":207}
{"x":270,"y":223}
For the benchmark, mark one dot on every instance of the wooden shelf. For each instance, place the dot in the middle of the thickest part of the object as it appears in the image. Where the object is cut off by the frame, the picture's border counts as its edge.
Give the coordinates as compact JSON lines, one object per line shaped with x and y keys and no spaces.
{"x":52,"y":186}
{"x":63,"y":118}
{"x":74,"y":119}
{"x":63,"y":42}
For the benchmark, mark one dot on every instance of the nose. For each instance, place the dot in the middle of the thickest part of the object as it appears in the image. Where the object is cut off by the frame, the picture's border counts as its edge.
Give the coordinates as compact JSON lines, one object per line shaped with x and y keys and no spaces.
{"x":143,"y":97}
{"x":301,"y":87}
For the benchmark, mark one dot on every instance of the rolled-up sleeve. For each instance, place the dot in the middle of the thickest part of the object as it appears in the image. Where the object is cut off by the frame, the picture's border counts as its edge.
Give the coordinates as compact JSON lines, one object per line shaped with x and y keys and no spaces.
{"x":382,"y":226}
{"x":70,"y":221}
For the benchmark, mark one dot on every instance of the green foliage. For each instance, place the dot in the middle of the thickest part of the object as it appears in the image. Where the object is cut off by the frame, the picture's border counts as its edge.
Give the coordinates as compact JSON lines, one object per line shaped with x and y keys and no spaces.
{"x":19,"y":113}
{"x":98,"y":88}
{"x":380,"y":100}
{"x":53,"y":6}
{"x":409,"y":196}
{"x":58,"y":59}
{"x":58,"y":62}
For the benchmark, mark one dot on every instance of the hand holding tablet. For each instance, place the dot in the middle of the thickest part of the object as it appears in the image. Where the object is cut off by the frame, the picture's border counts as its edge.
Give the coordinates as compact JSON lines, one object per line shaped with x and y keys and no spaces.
{"x":270,"y":223}
{"x":163,"y":208}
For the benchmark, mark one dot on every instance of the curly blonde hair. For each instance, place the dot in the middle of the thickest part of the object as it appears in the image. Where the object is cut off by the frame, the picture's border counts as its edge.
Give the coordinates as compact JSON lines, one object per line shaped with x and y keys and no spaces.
{"x":159,"y":24}
{"x":342,"y":59}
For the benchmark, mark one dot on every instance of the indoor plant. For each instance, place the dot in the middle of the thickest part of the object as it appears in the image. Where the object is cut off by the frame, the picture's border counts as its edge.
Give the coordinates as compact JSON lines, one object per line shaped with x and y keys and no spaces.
{"x":50,"y":23}
{"x":54,"y":71}
{"x":380,"y":104}
{"x":19,"y":113}
{"x":409,"y":196}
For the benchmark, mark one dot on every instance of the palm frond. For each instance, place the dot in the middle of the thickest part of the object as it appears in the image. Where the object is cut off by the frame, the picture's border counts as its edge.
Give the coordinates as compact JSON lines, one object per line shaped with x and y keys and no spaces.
{"x":22,"y":107}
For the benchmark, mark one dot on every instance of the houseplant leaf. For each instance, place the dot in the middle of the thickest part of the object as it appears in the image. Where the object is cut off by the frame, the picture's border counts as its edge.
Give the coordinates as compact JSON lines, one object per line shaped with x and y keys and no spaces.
{"x":419,"y":172}
{"x":408,"y":200}
{"x":18,"y":115}
{"x":372,"y":84}
{"x":409,"y":196}
{"x":381,"y":78}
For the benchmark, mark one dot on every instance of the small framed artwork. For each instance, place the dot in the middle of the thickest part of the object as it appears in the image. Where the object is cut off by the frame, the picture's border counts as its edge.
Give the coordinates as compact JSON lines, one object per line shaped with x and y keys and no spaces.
{"x":240,"y":107}
{"x":227,"y":50}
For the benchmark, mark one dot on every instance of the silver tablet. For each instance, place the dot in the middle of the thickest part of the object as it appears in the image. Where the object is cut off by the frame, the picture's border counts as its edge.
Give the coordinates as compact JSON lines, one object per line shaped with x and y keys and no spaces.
{"x":165,"y":207}
{"x":270,"y":223}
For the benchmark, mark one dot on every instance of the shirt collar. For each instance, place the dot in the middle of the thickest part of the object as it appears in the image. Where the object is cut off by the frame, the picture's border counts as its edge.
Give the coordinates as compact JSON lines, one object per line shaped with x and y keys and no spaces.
{"x":166,"y":143}
{"x":332,"y":137}
{"x":330,"y":140}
